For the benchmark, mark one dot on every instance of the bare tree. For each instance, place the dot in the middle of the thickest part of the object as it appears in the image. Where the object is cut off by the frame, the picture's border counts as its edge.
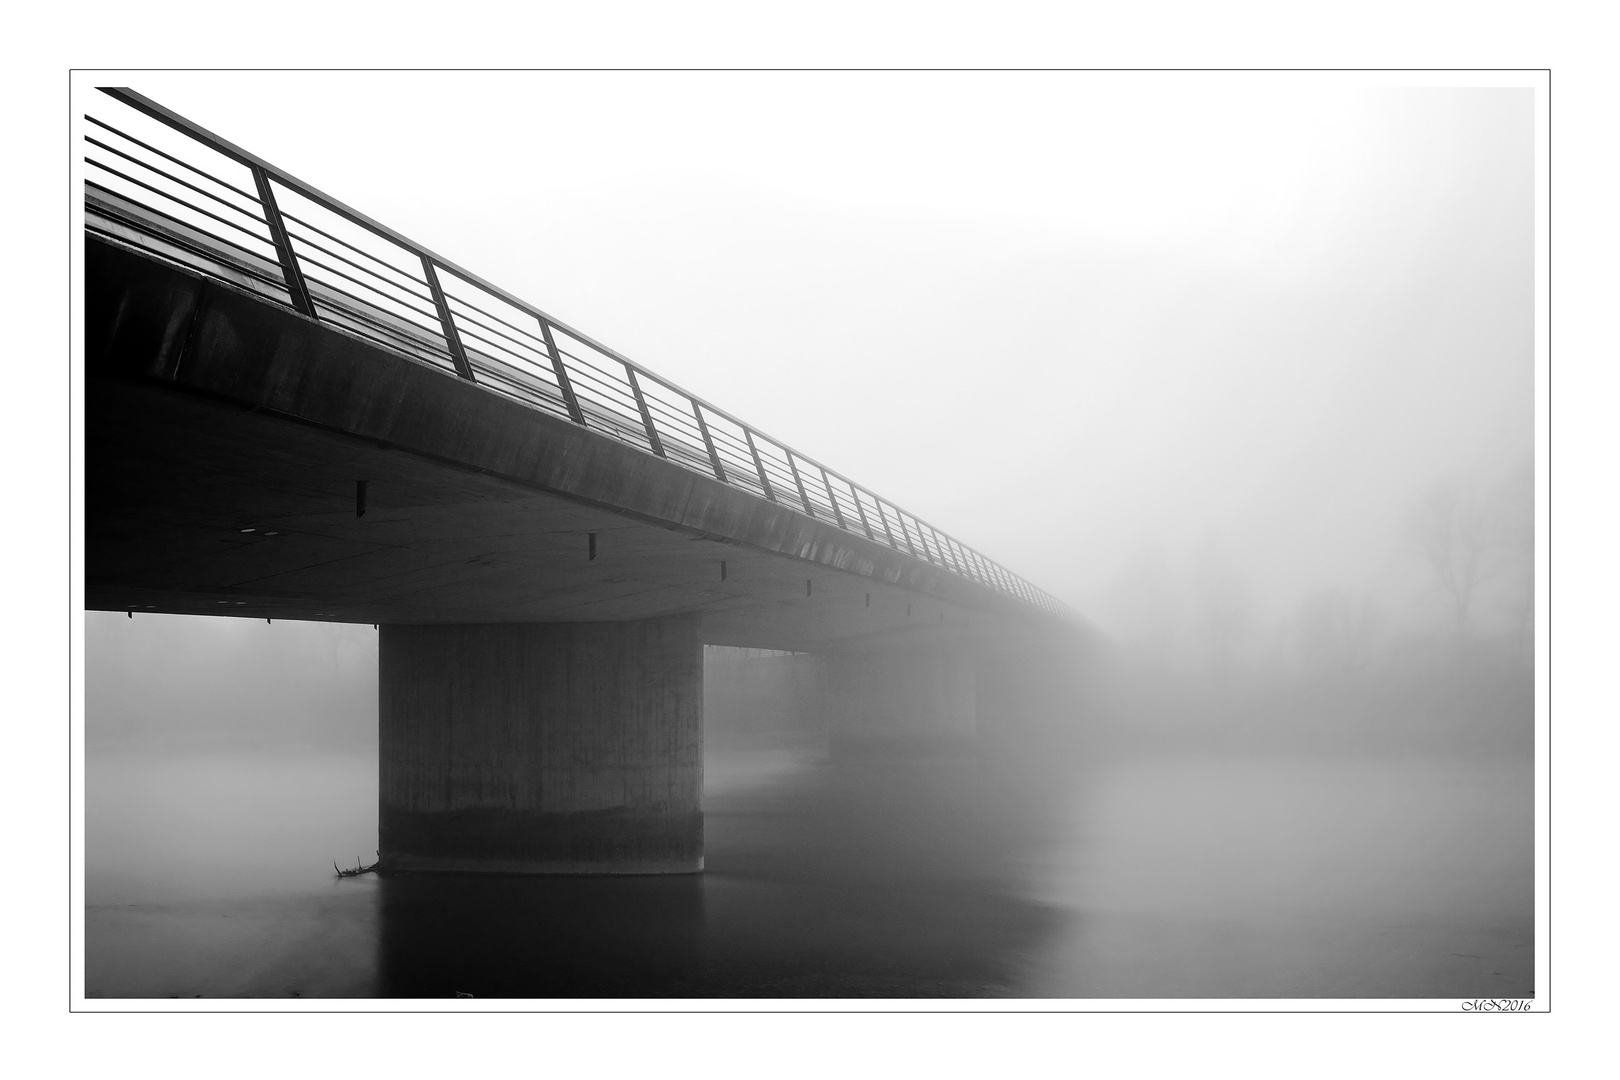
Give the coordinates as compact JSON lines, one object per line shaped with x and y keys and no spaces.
{"x":1517,"y":498}
{"x":1146,"y":599}
{"x":1335,"y":631}
{"x":1456,"y":530}
{"x":1225,"y":604}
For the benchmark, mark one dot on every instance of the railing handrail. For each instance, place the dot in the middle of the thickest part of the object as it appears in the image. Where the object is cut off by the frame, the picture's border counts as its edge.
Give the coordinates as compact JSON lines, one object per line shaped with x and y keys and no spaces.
{"x":947,"y":559}
{"x":337,"y":206}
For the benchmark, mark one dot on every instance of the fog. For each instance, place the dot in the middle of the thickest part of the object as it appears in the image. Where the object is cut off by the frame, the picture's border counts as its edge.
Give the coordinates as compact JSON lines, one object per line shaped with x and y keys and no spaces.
{"x":1239,"y":367}
{"x":181,"y":682}
{"x":1079,"y":320}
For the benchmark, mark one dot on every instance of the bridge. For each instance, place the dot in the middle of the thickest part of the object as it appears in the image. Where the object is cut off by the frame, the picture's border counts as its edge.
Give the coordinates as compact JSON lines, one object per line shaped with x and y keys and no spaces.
{"x":292,"y":411}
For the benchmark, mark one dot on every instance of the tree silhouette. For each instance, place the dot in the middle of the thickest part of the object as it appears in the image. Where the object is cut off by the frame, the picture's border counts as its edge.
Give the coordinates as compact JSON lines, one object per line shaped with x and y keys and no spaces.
{"x":1456,"y":531}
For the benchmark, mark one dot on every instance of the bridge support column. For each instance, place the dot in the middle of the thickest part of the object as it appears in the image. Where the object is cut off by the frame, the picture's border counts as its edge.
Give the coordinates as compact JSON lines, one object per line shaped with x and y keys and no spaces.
{"x":547,"y":748}
{"x":904,"y":695}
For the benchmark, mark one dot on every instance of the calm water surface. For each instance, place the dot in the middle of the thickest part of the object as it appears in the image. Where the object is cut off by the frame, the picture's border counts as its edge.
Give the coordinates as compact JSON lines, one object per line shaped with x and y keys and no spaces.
{"x":211,"y":876}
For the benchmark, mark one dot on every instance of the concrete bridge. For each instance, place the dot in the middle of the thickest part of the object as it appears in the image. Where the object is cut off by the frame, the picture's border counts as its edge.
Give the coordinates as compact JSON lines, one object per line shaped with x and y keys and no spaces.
{"x":293,"y":412}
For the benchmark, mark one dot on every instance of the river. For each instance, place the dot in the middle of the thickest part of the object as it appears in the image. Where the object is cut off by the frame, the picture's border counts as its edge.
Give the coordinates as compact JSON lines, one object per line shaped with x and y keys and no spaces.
{"x":209,"y":875}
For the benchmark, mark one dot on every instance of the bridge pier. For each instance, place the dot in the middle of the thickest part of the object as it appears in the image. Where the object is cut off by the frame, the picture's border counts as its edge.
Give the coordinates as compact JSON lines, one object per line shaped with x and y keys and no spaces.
{"x":544,"y":748}
{"x":905,"y":695}
{"x":964,"y":692}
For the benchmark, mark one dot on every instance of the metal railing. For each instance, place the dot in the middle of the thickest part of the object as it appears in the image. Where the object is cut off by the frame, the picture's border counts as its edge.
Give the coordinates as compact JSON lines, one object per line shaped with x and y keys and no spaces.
{"x":181,"y":192}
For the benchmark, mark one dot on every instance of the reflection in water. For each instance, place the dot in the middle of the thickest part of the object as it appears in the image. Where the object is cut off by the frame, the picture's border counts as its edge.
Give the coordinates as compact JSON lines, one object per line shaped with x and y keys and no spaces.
{"x":565,"y":937}
{"x":1282,"y":878}
{"x":210,"y":876}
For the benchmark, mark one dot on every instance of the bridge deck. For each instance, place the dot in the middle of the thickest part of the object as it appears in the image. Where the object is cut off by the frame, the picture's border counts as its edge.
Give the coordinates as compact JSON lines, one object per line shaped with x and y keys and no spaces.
{"x":225,"y":438}
{"x":161,"y":183}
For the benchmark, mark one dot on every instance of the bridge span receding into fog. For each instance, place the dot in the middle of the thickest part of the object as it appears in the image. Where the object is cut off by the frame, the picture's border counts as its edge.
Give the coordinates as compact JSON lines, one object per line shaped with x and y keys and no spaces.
{"x":293,"y":412}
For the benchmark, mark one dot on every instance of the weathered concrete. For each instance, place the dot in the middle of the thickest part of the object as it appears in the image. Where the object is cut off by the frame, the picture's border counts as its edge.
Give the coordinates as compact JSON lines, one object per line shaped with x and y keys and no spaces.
{"x":225,"y":437}
{"x":555,"y":748}
{"x":543,"y":590}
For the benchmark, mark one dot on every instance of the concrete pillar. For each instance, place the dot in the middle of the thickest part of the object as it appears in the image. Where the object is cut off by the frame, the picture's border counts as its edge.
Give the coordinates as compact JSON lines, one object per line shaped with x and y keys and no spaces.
{"x":910,"y":693}
{"x":545,"y":748}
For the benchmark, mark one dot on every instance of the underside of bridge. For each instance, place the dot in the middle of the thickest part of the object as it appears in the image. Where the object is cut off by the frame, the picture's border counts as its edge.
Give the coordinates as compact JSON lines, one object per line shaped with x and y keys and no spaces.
{"x":543,"y":591}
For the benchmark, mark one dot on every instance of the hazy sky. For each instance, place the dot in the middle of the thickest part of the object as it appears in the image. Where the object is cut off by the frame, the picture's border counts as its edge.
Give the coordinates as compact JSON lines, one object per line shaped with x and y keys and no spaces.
{"x":1065,"y":317}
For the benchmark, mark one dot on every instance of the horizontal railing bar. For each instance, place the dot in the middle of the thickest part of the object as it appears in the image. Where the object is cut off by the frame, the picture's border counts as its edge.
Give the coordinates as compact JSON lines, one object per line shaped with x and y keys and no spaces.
{"x":140,"y":226}
{"x":672,"y":408}
{"x":580,"y":360}
{"x":309,"y":191}
{"x":533,"y":372}
{"x":108,"y":224}
{"x":526,"y":370}
{"x":538,"y":348}
{"x":407,"y":275}
{"x":681,"y":427}
{"x":599,"y":381}
{"x":420,"y":337}
{"x":497,"y":380}
{"x":428,"y":342}
{"x":537,"y":392}
{"x":475,"y":336}
{"x":174,"y":199}
{"x":619,"y":399}
{"x":589,"y":400}
{"x":244,"y":211}
{"x":170,"y":157}
{"x":626,"y":414}
{"x":348,"y":277}
{"x":361,"y":301}
{"x":679,"y":434}
{"x":536,"y":338}
{"x":604,"y":380}
{"x":401,"y":286}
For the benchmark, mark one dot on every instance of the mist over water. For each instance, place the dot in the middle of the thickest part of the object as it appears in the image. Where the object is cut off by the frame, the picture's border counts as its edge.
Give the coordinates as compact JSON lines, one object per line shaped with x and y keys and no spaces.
{"x":1146,"y":847}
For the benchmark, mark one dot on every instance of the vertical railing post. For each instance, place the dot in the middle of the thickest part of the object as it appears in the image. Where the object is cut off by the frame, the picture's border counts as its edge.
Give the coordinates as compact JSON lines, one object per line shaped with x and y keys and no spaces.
{"x":905,"y":533}
{"x":458,"y":355}
{"x":759,"y":465}
{"x":804,"y":496}
{"x":926,"y":531}
{"x":832,"y":500}
{"x":861,"y":510}
{"x":575,"y":413}
{"x":944,"y":551}
{"x":885,"y":519}
{"x":914,"y":527}
{"x":646,"y":416}
{"x":969,"y":571}
{"x":983,"y":569}
{"x":962,"y":566}
{"x":708,"y":444}
{"x":296,"y":288}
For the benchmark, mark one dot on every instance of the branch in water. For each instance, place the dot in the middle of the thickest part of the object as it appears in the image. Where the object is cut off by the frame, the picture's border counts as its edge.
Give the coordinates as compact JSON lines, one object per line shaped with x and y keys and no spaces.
{"x":358,"y":869}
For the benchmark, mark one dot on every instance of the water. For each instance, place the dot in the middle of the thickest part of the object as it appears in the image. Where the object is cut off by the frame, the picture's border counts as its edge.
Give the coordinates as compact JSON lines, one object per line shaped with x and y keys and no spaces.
{"x":1294,"y":878}
{"x":209,"y":875}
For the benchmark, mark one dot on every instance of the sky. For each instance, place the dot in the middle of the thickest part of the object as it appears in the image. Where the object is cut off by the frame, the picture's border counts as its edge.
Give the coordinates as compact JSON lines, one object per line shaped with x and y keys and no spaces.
{"x":1074,"y":319}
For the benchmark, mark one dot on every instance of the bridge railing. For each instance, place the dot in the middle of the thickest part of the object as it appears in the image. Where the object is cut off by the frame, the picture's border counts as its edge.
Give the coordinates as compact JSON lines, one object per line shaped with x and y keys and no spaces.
{"x":156,"y":180}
